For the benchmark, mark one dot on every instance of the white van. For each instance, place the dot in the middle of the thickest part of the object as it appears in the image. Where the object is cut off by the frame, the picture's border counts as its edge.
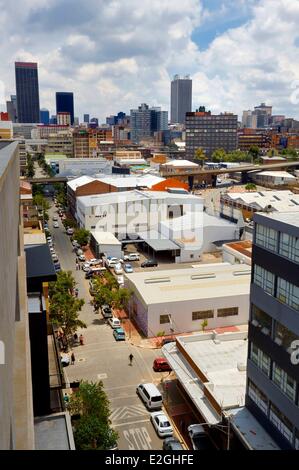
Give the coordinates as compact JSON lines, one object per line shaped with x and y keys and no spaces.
{"x":150,"y":395}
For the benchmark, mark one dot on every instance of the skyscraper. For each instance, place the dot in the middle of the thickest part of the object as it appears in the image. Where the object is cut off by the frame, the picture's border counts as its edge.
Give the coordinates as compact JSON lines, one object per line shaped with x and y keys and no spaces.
{"x":86,"y":118}
{"x":145,"y":121}
{"x":11,"y":108}
{"x":65,"y":103}
{"x":181,"y":98}
{"x":273,"y":336}
{"x":27,"y":92}
{"x":44,"y":116}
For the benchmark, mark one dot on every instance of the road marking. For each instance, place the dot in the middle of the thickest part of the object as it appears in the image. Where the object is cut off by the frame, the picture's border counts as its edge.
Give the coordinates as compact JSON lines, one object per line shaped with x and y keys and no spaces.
{"x":121,"y":386}
{"x":130,"y":411}
{"x":102,"y":376}
{"x":138,"y":439}
{"x":131,"y":422}
{"x":122,"y":397}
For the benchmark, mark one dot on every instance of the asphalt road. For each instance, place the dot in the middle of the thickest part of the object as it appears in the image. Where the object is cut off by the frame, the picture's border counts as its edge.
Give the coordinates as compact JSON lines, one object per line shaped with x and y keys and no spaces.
{"x":103,"y":358}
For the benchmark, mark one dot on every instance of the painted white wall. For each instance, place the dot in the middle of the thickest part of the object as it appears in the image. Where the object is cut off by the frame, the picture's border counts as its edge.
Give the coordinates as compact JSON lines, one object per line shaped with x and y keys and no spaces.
{"x":111,"y":250}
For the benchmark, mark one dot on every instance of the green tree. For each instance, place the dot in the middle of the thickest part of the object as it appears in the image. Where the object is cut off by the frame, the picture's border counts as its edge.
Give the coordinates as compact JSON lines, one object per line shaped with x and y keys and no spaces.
{"x":82,"y":236}
{"x":121,"y":298}
{"x":204,"y":324}
{"x":219,"y":155}
{"x":254,"y":152}
{"x":92,"y":430}
{"x":64,"y":307}
{"x":69,"y":223}
{"x":30,"y":167}
{"x":200,"y":155}
{"x":103,"y":295}
{"x":272,"y":152}
{"x":250,"y":187}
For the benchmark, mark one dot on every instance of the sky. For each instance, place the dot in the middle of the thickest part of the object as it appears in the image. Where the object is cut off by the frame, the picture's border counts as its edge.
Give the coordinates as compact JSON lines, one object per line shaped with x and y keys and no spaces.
{"x":116,"y":54}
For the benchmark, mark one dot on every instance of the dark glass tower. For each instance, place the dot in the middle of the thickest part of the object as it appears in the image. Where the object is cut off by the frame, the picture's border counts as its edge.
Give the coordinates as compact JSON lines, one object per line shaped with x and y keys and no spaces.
{"x":27,"y":92}
{"x":65,"y":103}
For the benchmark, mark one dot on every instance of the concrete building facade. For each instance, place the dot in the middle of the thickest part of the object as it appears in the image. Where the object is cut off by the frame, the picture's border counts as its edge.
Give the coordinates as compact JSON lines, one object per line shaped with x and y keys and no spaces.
{"x":180,"y":99}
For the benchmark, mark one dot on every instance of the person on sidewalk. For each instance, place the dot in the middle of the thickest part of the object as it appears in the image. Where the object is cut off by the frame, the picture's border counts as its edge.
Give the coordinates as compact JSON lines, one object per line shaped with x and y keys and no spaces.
{"x":73,"y":358}
{"x":131,"y":357}
{"x":81,"y":339}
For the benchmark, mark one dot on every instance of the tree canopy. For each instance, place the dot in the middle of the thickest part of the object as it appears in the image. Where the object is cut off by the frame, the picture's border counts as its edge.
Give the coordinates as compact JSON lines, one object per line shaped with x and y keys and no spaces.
{"x":82,"y":236}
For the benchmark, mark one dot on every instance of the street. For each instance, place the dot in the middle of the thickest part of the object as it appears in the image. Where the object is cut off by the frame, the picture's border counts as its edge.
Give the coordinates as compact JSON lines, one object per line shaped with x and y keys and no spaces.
{"x":103,"y":358}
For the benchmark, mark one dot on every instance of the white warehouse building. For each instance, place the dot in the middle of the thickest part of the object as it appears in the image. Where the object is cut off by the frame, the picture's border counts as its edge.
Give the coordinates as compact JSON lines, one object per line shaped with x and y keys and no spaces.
{"x":179,"y":300}
{"x":164,"y":221}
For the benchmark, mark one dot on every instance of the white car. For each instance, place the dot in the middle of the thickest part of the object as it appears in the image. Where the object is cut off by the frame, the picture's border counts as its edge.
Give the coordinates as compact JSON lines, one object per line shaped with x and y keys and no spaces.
{"x":120,"y":281}
{"x":161,"y":424}
{"x":56,"y":225}
{"x":82,"y":257}
{"x":118,"y":269}
{"x":110,"y":262}
{"x":55,"y":218}
{"x":114,"y":322}
{"x":70,"y":231}
{"x":74,"y":242}
{"x":94,"y":261}
{"x":86,"y":267}
{"x":131,"y":257}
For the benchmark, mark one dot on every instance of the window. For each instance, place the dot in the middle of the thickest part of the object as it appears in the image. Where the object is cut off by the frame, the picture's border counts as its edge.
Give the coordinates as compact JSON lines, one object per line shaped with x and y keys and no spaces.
{"x":227,"y":312}
{"x":288,"y":293}
{"x":281,"y":422}
{"x":284,"y":382}
{"x":164,"y":319}
{"x":289,"y":247}
{"x":261,"y":320}
{"x":263,"y":279}
{"x":202,"y":315}
{"x":257,"y":396}
{"x":266,"y":237}
{"x":260,"y":359}
{"x":284,"y":337}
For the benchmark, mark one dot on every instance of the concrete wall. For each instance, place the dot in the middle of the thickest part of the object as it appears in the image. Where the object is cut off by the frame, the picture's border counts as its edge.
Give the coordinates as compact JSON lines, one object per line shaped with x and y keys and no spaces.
{"x":181,"y":314}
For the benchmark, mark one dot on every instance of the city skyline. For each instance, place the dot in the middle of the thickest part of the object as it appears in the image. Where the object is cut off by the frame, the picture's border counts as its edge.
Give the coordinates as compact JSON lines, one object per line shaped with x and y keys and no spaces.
{"x":232,"y":57}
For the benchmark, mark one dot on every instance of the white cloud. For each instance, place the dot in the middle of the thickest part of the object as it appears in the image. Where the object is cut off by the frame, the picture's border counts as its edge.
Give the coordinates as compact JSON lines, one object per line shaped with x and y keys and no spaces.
{"x":114,"y":55}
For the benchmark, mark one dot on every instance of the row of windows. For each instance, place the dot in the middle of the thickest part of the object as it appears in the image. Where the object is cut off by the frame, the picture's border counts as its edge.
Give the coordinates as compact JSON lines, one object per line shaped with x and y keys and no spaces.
{"x":205,"y":314}
{"x":284,"y":291}
{"x":284,"y":244}
{"x":287,"y":384}
{"x":277,"y":418}
{"x":278,"y":332}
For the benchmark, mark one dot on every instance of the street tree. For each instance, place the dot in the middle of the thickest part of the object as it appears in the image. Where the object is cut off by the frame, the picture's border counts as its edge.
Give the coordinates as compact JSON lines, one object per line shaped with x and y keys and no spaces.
{"x":219,"y":155}
{"x":254,"y":152}
{"x":250,"y":187}
{"x":82,"y":236}
{"x":200,"y":155}
{"x":68,"y":222}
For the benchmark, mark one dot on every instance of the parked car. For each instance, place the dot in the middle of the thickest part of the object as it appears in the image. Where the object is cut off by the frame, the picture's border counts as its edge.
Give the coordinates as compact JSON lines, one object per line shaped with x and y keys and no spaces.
{"x":86,"y":266}
{"x":118,"y":269}
{"x":111,"y":261}
{"x":91,"y":287}
{"x":74,"y":242}
{"x":150,"y":396}
{"x":132,"y":257}
{"x":199,"y":438}
{"x":171,"y":443}
{"x":106,"y":311}
{"x":120,"y":281}
{"x":119,"y":334}
{"x":160,"y":364}
{"x":128,"y":268}
{"x":94,"y":261}
{"x":55,"y":218}
{"x":114,"y":322}
{"x":161,"y":424}
{"x":149,"y":263}
{"x":55,"y":225}
{"x":54,"y":257}
{"x":70,"y":231}
{"x":82,"y":257}
{"x":49,"y":239}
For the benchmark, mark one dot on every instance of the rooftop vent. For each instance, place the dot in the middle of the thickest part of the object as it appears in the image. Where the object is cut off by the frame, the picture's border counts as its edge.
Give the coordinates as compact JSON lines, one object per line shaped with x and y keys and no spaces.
{"x":156,"y":280}
{"x":242,"y":273}
{"x":196,"y":277}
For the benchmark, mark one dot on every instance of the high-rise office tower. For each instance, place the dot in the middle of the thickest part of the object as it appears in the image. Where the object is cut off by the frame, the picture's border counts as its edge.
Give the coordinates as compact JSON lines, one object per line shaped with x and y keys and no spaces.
{"x":181,"y":98}
{"x":210,"y":132}
{"x":27,"y":92}
{"x":11,"y":108}
{"x":65,"y":103}
{"x":86,"y":118}
{"x":44,"y":116}
{"x":273,"y":356}
{"x":144,"y":121}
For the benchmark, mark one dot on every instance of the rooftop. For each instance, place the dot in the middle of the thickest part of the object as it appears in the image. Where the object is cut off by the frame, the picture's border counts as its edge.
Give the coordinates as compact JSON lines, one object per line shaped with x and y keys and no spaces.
{"x":278,"y":174}
{"x":181,"y":163}
{"x":220,"y":359}
{"x":244,"y":247}
{"x":284,"y":217}
{"x":281,"y":201}
{"x":119,"y":181}
{"x":54,"y":432}
{"x":105,"y":238}
{"x":204,"y":281}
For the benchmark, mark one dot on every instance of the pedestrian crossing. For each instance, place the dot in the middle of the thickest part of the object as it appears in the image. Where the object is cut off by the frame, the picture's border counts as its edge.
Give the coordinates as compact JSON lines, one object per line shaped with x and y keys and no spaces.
{"x":125,"y":412}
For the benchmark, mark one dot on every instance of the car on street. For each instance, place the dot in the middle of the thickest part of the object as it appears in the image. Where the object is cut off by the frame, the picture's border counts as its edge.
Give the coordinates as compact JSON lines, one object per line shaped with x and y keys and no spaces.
{"x":86,"y":266}
{"x":70,"y":231}
{"x":106,"y":311}
{"x":55,"y":224}
{"x":149,"y":263}
{"x":114,"y":322}
{"x":57,"y":266}
{"x":161,"y":424}
{"x":118,"y":269}
{"x":94,"y":261}
{"x":74,"y":242}
{"x":55,"y":218}
{"x":111,"y":261}
{"x":132,"y":257}
{"x":54,"y":257}
{"x":119,"y":334}
{"x":171,"y":443}
{"x":79,"y":251}
{"x":82,"y":257}
{"x":128,"y":268}
{"x":160,"y":364}
{"x":120,"y":281}
{"x":199,"y":438}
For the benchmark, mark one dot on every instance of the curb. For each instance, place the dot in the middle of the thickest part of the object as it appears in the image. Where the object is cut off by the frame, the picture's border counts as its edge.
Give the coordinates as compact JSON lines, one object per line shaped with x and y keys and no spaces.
{"x":143,"y":347}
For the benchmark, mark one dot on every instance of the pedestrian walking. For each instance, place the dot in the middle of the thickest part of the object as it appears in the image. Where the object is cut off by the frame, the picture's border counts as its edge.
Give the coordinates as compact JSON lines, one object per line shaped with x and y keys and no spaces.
{"x":75,"y":338}
{"x":131,"y":357}
{"x":73,"y":358}
{"x":81,"y":339}
{"x":76,"y":292}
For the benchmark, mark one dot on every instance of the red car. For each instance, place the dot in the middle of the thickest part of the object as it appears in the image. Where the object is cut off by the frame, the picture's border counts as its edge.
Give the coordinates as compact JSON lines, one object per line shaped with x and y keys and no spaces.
{"x":160,"y":364}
